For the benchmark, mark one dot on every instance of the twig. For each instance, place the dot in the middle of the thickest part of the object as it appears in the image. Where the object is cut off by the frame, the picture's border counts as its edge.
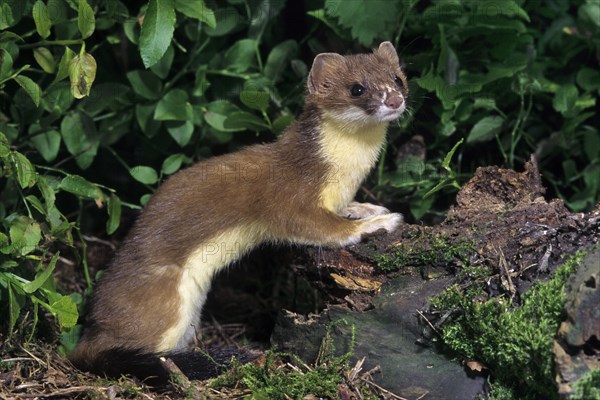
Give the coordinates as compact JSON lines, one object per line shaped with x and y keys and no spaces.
{"x":178,"y":379}
{"x":504,"y":264}
{"x":387,"y":392}
{"x":423,"y":395}
{"x":101,"y":241}
{"x":57,"y":393}
{"x":543,"y":265}
{"x":376,"y":369}
{"x":428,"y":322}
{"x":15,"y":359}
{"x":34,"y":357}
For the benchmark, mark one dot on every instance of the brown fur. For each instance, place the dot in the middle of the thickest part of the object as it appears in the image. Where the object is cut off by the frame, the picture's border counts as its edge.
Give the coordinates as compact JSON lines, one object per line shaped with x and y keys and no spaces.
{"x":275,"y":186}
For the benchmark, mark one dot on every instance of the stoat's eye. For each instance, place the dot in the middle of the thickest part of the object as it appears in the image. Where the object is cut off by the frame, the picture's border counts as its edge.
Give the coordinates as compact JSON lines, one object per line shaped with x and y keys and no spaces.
{"x":357,"y":90}
{"x":399,"y":82}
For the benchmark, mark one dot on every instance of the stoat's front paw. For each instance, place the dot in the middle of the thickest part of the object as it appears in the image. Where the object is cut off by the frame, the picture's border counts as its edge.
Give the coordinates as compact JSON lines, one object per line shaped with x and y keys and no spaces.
{"x":356,"y":210}
{"x":388,"y":222}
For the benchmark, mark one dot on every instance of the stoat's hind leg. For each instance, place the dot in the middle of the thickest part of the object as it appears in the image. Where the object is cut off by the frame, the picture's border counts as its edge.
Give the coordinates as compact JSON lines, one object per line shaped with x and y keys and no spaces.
{"x":356,"y":210}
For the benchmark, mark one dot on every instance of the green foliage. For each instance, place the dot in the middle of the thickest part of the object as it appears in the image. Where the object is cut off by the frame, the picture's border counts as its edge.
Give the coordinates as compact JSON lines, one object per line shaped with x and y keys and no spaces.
{"x":588,"y":387}
{"x":514,"y":342}
{"x":434,"y":251}
{"x":101,"y":100}
{"x":272,"y":380}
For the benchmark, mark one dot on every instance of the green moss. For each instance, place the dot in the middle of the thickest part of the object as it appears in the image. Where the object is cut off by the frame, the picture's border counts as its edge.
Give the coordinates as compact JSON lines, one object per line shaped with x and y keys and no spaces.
{"x":271,"y":382}
{"x":500,"y":392}
{"x":514,"y":342}
{"x":275,"y":380}
{"x":588,"y":387}
{"x":439,"y":251}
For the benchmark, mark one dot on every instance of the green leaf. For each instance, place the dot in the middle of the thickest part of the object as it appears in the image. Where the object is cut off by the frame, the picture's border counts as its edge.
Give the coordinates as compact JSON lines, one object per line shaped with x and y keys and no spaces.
{"x":227,"y":20}
{"x":81,"y":138}
{"x":45,"y":59}
{"x":31,"y":88}
{"x":503,"y":8}
{"x":25,"y":172}
{"x":15,"y":303}
{"x":114,"y":214}
{"x":261,"y":13}
{"x":145,"y":199}
{"x":587,"y":78}
{"x":25,"y":234}
{"x":591,"y":146}
{"x":448,"y":157}
{"x":282,"y":123}
{"x":569,"y":169}
{"x":81,"y":187}
{"x":565,"y":98}
{"x":157,"y":31}
{"x":41,"y":19}
{"x":590,"y":12}
{"x":82,"y":73}
{"x":201,"y":84}
{"x":58,"y":99}
{"x":217,"y":113}
{"x":180,"y":131}
{"x":241,"y":56}
{"x":255,"y":100}
{"x":6,"y":64}
{"x":47,"y":192}
{"x":197,"y":9}
{"x":279,"y":58}
{"x":35,"y":203}
{"x":42,"y":276}
{"x":7,"y":18}
{"x":63,"y":65}
{"x":485,"y":129}
{"x":172,"y":164}
{"x":58,"y":11}
{"x":487,"y":103}
{"x":144,"y":174}
{"x":163,"y":66}
{"x":65,"y":310}
{"x":174,"y":106}
{"x":86,"y":21}
{"x":145,"y":84}
{"x":365,"y":19}
{"x":144,"y":115}
{"x":4,"y":146}
{"x":242,"y":120}
{"x":106,"y":96}
{"x":47,"y":144}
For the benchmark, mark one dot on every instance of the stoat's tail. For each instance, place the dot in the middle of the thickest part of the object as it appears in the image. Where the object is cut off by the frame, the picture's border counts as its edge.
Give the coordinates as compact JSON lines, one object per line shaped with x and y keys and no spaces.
{"x":149,"y":367}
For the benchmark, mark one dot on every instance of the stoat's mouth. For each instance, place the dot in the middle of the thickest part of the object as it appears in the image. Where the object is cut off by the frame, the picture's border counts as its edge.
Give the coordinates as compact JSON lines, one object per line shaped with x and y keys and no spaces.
{"x":387,"y":114}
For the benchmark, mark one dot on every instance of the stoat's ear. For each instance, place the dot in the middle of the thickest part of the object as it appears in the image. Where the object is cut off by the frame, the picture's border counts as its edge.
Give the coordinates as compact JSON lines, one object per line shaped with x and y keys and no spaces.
{"x":320,"y":76}
{"x":387,"y":50}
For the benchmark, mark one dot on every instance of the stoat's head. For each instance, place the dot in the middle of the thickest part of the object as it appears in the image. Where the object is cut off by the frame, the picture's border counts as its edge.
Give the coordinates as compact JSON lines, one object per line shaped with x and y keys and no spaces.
{"x":361,"y":89}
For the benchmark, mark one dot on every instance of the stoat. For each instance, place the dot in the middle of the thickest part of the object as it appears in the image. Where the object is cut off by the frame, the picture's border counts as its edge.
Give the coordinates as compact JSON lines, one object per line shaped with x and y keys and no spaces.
{"x":299,"y":189}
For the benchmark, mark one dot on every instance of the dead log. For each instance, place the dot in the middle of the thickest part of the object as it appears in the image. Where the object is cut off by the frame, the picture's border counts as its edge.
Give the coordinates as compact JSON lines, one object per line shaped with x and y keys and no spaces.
{"x":501,"y":222}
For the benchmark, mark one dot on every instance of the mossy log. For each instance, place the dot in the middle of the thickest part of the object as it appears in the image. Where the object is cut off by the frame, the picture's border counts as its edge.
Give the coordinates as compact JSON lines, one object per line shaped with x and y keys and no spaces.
{"x":501,"y":235}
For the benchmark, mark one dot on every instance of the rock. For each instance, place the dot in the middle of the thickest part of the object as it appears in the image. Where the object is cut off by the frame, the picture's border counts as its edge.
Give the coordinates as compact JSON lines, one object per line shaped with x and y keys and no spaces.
{"x":577,"y":347}
{"x":387,"y":336}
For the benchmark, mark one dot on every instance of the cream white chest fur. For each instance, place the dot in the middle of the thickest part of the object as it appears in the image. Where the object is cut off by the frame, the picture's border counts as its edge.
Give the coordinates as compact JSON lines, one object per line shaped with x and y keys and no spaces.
{"x":352,"y":153}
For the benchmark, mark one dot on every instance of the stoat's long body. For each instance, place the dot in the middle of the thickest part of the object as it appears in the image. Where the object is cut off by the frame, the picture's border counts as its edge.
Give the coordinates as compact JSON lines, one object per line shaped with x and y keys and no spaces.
{"x":298,"y":189}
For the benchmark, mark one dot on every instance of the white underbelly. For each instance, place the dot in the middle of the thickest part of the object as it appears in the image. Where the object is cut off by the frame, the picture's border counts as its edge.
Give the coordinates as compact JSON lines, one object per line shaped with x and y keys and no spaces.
{"x":198,"y":272}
